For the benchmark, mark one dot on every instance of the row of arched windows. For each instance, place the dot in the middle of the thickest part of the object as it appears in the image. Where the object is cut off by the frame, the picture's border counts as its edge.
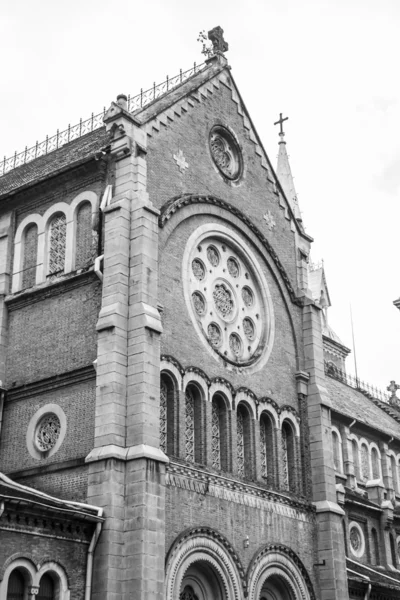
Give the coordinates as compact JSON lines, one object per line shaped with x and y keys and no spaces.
{"x":227,"y":438}
{"x":366,"y":457}
{"x":60,"y":241}
{"x":17,"y":587}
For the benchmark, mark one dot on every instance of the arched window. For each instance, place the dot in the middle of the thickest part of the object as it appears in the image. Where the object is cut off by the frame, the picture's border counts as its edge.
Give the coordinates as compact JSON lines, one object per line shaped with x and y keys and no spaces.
{"x":84,"y":240}
{"x":46,"y":590}
{"x":374,"y":547}
{"x":16,"y":586}
{"x":188,"y":594}
{"x":243,"y":441}
{"x":394,"y":474}
{"x":168,"y":425}
{"x":219,"y":431}
{"x":57,"y":242}
{"x":29,"y":260}
{"x":288,"y":457}
{"x":267,"y":448}
{"x":344,"y":536}
{"x":376,"y":472}
{"x":365,"y":463}
{"x":356,"y":458}
{"x":193,"y":425}
{"x":337,"y":455}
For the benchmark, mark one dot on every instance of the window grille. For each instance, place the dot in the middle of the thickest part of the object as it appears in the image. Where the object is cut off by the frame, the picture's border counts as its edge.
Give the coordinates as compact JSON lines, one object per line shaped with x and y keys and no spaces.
{"x":163,"y":416}
{"x":263,"y":448}
{"x":285,"y":466}
{"x":216,"y":436}
{"x":58,"y":236}
{"x":189,"y":425}
{"x":46,"y":590}
{"x":16,"y":586}
{"x":84,"y":241}
{"x":240,"y":443}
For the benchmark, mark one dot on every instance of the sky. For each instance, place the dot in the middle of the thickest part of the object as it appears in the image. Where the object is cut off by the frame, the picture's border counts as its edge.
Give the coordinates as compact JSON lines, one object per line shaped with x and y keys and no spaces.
{"x":330,"y":65}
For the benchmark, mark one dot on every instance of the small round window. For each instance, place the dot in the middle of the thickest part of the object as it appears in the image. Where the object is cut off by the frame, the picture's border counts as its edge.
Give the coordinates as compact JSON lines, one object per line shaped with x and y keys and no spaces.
{"x":47,"y":432}
{"x":225,"y":152}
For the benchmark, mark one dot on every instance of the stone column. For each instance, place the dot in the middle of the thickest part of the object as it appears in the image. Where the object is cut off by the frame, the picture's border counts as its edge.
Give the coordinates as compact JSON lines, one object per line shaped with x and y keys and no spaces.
{"x":331,"y":551}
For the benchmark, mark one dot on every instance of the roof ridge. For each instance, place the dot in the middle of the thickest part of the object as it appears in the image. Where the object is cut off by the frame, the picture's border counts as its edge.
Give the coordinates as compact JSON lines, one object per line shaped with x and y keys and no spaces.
{"x":61,"y":138}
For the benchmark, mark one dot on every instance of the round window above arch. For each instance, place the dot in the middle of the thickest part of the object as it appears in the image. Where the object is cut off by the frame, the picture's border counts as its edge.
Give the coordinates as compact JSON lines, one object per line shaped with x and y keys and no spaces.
{"x":357,"y":539}
{"x":228,"y":298}
{"x":225,"y":152}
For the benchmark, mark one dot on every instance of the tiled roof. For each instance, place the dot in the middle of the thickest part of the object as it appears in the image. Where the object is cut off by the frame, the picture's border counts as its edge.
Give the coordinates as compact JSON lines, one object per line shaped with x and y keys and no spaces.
{"x":352,"y":403}
{"x":51,"y":163}
{"x":385,"y":579}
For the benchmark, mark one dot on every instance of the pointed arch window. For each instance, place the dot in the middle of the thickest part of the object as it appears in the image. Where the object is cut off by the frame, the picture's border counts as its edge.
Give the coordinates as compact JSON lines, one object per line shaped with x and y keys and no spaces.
{"x":267,"y":448}
{"x":337,"y":462}
{"x":288,"y":457}
{"x":46,"y":590}
{"x":16,"y":586}
{"x":84,"y":240}
{"x":57,"y":244}
{"x":29,"y":261}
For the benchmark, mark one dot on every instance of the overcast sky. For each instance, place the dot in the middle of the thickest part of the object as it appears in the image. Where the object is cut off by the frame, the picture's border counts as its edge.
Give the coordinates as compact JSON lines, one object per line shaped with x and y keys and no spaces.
{"x":332,"y":66}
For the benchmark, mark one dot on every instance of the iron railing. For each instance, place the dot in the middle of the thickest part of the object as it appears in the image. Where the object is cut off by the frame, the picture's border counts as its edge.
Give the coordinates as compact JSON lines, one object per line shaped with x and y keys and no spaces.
{"x":94,"y":122}
{"x":355,"y":382}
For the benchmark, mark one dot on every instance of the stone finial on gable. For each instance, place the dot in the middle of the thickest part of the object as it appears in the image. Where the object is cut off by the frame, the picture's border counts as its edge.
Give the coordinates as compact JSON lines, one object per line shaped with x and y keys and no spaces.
{"x":392,"y":388}
{"x":216,"y":36}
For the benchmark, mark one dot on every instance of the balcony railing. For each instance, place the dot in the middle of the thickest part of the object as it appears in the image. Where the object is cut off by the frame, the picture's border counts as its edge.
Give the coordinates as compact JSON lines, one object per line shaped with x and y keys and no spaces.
{"x":355,"y":382}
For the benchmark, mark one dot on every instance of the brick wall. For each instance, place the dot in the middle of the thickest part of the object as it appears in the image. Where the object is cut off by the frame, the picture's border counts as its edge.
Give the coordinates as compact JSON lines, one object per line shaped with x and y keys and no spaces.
{"x":78,"y":404}
{"x":68,"y":484}
{"x":53,"y":335}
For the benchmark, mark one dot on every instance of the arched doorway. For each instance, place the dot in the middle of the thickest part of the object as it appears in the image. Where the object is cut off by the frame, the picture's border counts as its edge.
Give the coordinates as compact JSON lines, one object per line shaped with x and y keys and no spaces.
{"x":275,"y":588}
{"x":201,"y":582}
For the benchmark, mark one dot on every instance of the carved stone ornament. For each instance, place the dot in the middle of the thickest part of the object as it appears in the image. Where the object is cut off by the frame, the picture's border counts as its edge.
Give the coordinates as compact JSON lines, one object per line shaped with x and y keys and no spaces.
{"x":216,"y":36}
{"x":225,"y":152}
{"x":228,"y":299}
{"x":48,"y":432}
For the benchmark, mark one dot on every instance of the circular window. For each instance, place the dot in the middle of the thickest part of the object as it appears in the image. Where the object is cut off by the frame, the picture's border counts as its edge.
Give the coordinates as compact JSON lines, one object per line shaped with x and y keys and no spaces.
{"x":46,"y":431}
{"x":229,"y":303}
{"x":225,"y":152}
{"x":357,"y":540}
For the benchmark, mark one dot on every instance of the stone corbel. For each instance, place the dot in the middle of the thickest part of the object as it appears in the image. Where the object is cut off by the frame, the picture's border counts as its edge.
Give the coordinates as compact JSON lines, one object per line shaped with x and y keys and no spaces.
{"x":302,"y":379}
{"x":387,"y":515}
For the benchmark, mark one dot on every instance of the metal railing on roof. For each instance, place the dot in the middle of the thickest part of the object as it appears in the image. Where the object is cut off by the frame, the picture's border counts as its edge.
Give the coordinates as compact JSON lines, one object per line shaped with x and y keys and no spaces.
{"x":355,"y":382}
{"x":74,"y":132}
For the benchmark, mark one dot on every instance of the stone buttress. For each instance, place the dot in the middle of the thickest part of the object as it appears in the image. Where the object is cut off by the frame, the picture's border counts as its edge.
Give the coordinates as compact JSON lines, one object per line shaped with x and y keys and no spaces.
{"x":127,"y":469}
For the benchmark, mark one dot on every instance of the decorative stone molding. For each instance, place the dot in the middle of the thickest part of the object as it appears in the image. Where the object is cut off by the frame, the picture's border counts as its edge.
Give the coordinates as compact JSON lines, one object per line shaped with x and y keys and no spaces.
{"x":357,"y":539}
{"x":33,"y":572}
{"x":189,"y":478}
{"x":204,"y":544}
{"x":173,"y":206}
{"x":43,"y":443}
{"x":279,"y":560}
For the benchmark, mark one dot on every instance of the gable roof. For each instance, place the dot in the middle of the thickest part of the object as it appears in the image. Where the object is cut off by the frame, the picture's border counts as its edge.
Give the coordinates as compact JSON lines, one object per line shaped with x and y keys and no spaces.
{"x":354,"y":404}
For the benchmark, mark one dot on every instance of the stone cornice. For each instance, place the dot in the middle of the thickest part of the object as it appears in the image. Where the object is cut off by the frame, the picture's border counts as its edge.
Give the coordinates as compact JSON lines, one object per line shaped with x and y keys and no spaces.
{"x":189,"y":478}
{"x":176,"y":204}
{"x":51,"y":383}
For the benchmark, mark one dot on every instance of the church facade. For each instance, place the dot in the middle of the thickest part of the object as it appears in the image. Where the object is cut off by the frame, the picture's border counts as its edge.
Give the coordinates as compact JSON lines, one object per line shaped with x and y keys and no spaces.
{"x":176,"y":419}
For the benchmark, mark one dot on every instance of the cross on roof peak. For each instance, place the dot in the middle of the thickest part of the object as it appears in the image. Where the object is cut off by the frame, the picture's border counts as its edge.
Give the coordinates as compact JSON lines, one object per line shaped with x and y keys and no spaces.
{"x":392,"y":388}
{"x":280,"y":123}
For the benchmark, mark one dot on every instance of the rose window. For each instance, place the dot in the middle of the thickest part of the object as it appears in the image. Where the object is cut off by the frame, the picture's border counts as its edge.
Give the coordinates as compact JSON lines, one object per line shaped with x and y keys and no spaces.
{"x":357,"y":541}
{"x":48,"y":432}
{"x":225,"y":152}
{"x":227,"y":302}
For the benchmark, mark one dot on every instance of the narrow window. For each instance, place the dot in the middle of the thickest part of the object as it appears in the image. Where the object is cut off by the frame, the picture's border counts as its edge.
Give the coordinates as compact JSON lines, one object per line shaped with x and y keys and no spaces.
{"x":267,"y":448}
{"x":394,"y":474}
{"x":344,"y":536}
{"x":215,"y":434}
{"x":189,"y":425}
{"x":16,"y":586}
{"x":365,"y":462}
{"x":163,"y":415}
{"x":57,"y":241}
{"x":46,"y":590}
{"x":393,"y":550}
{"x":374,"y":547}
{"x":288,"y":457}
{"x":243,"y":435}
{"x":84,"y":241}
{"x":29,"y":261}
{"x":356,"y":460}
{"x":376,"y":472}
{"x":336,"y":451}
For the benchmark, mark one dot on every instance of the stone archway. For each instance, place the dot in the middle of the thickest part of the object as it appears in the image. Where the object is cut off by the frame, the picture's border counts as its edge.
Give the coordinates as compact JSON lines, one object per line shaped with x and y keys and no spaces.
{"x":276,"y":588}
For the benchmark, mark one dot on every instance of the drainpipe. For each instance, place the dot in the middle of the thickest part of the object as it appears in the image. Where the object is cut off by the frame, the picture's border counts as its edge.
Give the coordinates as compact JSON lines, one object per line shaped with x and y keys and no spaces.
{"x":2,"y":398}
{"x":89,"y":567}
